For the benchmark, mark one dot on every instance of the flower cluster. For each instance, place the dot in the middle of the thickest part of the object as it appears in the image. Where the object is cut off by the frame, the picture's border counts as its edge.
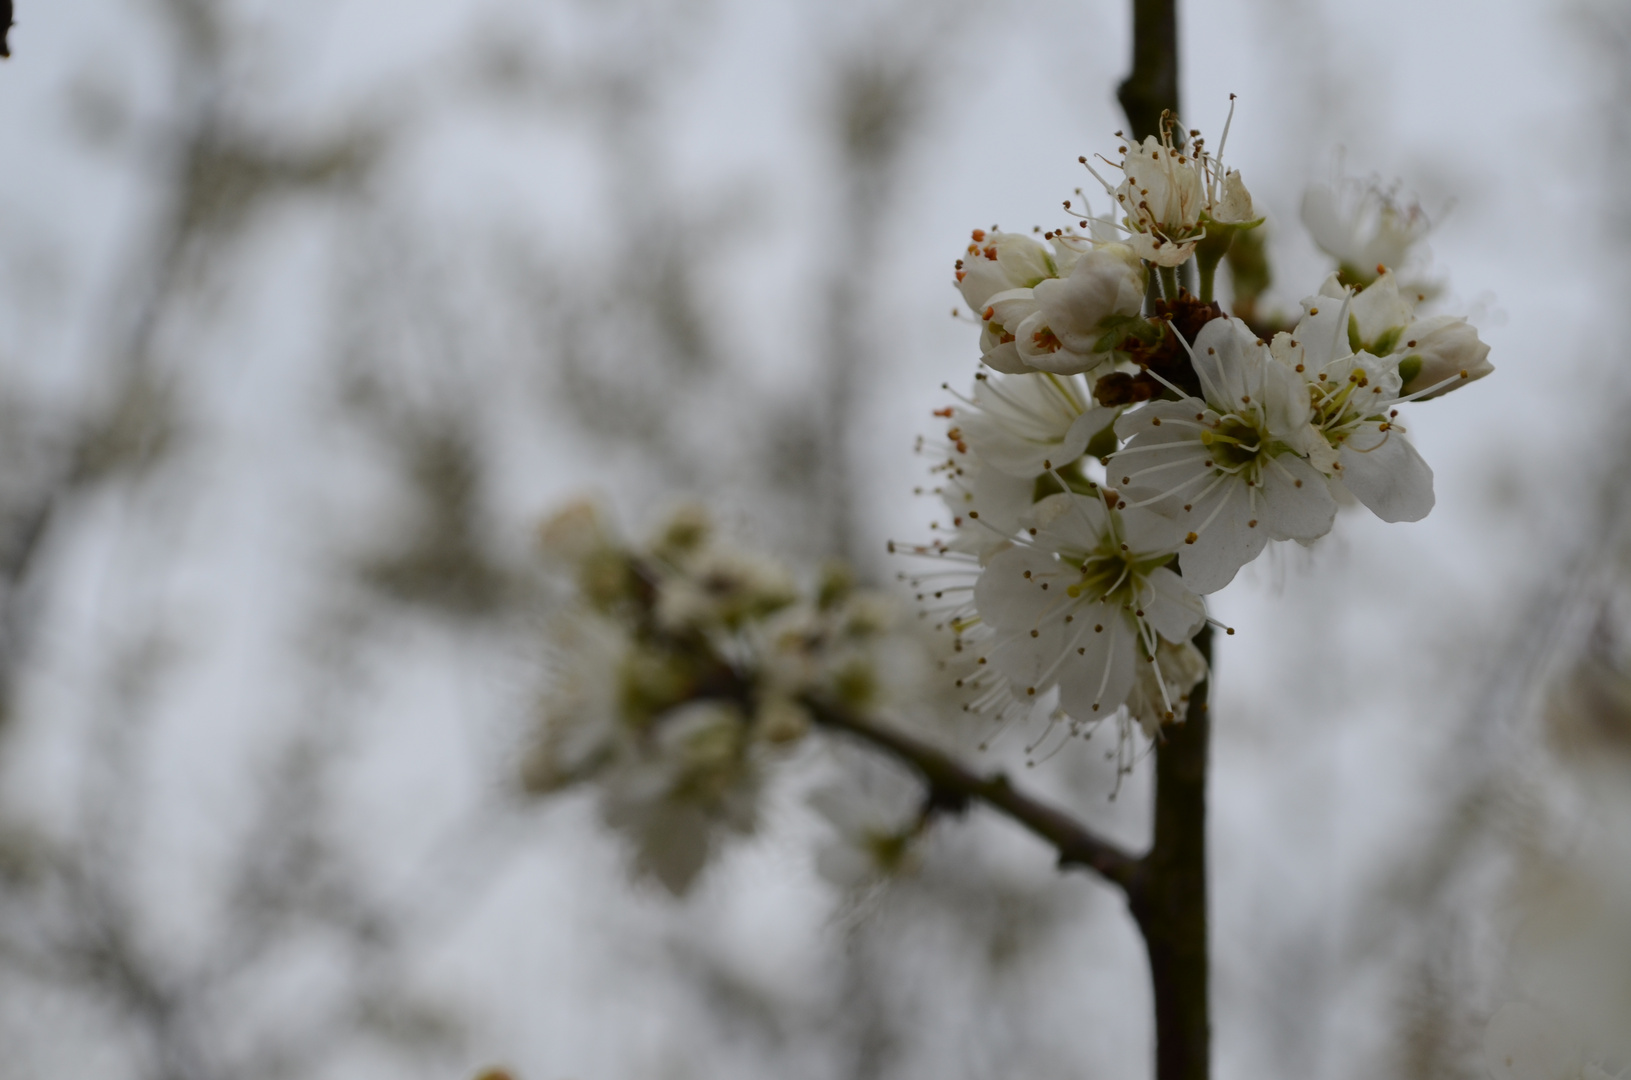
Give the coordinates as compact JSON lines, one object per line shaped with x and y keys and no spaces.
{"x":1130,"y":445}
{"x":680,"y":673}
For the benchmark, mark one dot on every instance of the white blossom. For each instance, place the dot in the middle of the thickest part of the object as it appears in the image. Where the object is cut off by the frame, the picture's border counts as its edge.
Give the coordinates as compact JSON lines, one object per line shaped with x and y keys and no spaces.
{"x":1161,"y":693}
{"x":720,"y":589}
{"x":582,"y":721}
{"x":997,"y":261}
{"x":1025,"y":424}
{"x":1356,"y":439}
{"x":1056,"y":324}
{"x":1361,"y":226}
{"x":1171,"y":193}
{"x":1434,"y":355}
{"x":694,"y":778}
{"x":1083,"y":604}
{"x":1440,"y":354}
{"x":985,"y":503}
{"x":873,"y":827}
{"x":1232,"y":469}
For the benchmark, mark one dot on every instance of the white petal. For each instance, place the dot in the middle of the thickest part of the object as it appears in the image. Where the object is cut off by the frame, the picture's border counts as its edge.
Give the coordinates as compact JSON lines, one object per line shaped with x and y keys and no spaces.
{"x":1147,"y":532}
{"x":1380,"y":308}
{"x":845,"y":865}
{"x":1229,"y":362}
{"x":1071,"y":523}
{"x":1294,"y":502}
{"x":1224,"y":545}
{"x":1032,"y":663}
{"x":1103,"y":665}
{"x":1170,"y":607}
{"x":1384,"y":471}
{"x":1323,"y":333}
{"x":1024,"y":260}
{"x":1009,"y":593}
{"x":1065,"y":362}
{"x":1105,"y":283}
{"x":1004,"y":357}
{"x":1011,"y":307}
{"x":1286,"y":404}
{"x":1325,"y":223}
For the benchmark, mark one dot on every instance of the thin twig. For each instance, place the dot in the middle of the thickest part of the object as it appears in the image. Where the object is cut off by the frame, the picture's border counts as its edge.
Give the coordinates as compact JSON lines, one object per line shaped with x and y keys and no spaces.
{"x":952,"y":787}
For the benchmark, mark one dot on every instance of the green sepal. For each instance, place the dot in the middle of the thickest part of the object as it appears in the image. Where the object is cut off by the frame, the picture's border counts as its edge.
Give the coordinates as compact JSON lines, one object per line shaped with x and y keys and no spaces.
{"x":1116,"y":328}
{"x":1409,"y":368}
{"x":1384,"y":344}
{"x":1355,"y":342}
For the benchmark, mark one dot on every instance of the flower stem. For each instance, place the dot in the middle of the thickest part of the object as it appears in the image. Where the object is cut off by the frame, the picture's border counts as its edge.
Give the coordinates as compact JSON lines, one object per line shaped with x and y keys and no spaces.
{"x":1209,"y":272}
{"x":1169,"y":282}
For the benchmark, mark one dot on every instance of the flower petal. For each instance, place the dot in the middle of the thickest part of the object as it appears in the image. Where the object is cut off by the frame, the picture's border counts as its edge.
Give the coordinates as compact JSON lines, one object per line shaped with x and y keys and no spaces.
{"x":1103,"y":667}
{"x":1386,"y":473}
{"x":1294,"y":502}
{"x":1224,"y":544}
{"x":1170,"y":607}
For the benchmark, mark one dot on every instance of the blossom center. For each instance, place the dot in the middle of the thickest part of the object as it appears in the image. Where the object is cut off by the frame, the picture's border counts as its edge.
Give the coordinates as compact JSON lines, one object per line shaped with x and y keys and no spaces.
{"x":1234,"y":443}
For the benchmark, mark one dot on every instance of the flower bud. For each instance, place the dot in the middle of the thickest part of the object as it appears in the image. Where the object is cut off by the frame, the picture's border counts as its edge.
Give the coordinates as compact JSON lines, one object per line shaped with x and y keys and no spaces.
{"x":1234,"y":204}
{"x":1442,"y":348}
{"x":574,"y":532}
{"x":780,"y":721}
{"x":999,"y":261}
{"x":1106,"y":283}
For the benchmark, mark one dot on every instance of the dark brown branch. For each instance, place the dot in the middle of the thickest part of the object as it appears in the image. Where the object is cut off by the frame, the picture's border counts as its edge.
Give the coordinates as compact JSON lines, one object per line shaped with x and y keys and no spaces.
{"x":1168,"y":895}
{"x":1152,"y":86}
{"x":953,"y":787}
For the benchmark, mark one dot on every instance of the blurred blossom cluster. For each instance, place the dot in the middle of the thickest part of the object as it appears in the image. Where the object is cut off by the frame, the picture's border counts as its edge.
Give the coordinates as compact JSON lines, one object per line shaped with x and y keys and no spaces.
{"x":1130,"y":445}
{"x":684,"y":669}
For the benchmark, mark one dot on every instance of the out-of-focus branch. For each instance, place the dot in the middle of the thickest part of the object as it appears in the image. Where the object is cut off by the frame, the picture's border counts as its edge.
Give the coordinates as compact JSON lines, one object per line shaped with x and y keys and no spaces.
{"x":953,"y":787}
{"x":1152,"y":86}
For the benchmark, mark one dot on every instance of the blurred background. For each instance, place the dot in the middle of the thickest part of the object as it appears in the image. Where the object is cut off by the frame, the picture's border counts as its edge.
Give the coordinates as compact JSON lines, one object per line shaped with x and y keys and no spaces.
{"x":310,"y":311}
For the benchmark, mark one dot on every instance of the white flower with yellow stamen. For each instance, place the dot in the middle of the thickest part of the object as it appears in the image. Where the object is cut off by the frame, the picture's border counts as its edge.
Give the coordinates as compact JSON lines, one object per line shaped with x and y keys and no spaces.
{"x":1356,"y":438}
{"x":1084,"y":604}
{"x":1364,"y":228}
{"x":1433,"y":355}
{"x":1171,"y":192}
{"x":1002,"y":268}
{"x":1231,"y":469}
{"x":1057,"y":323}
{"x":1024,"y":425}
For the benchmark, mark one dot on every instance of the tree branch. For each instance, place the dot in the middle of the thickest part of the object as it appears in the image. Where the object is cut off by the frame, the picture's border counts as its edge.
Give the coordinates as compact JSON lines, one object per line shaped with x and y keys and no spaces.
{"x":1168,"y":895}
{"x":1152,"y":86}
{"x":953,"y":787}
